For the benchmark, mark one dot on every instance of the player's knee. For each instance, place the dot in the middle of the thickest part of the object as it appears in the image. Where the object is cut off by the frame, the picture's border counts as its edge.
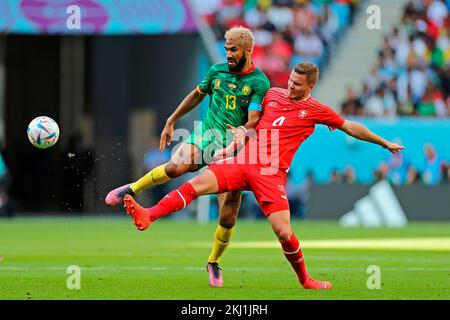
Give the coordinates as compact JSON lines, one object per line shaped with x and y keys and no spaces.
{"x":175,"y":170}
{"x":228,"y":212}
{"x":283,"y":234}
{"x":227,"y":221}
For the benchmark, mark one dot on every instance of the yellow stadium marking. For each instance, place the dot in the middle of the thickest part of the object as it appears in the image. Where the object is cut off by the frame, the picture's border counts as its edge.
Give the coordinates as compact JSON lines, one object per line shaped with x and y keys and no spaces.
{"x":413,"y":244}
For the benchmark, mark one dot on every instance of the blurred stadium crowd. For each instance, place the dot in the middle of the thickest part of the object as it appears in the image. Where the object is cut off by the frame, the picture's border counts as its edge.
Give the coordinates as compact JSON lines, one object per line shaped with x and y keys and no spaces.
{"x":286,"y":31}
{"x":412,"y":74}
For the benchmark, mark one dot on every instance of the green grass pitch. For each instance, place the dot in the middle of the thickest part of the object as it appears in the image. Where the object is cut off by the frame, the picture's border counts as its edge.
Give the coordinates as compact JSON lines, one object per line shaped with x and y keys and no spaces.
{"x":167,"y":261}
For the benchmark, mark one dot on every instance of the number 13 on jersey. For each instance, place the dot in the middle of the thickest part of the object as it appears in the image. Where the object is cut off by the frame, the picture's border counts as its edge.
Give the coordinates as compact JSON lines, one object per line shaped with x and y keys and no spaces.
{"x":231,"y":102}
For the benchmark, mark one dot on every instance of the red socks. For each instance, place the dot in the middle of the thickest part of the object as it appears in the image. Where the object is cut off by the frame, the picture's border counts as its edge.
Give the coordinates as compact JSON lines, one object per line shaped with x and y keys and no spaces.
{"x":176,"y":200}
{"x":293,"y":253}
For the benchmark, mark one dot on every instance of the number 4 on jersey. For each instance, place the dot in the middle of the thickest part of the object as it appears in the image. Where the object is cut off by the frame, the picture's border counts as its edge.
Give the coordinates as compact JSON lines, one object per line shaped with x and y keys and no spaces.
{"x":279,"y":122}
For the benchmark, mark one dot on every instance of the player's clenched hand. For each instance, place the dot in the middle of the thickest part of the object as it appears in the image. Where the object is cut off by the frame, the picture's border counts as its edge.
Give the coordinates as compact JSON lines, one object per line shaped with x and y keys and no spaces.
{"x":239,"y":134}
{"x":394,"y":147}
{"x":166,"y":136}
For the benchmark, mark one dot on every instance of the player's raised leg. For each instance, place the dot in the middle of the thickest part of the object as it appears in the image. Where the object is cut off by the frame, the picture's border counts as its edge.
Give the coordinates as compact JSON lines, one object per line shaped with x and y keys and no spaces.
{"x":281,"y":225}
{"x":182,"y":161}
{"x":229,"y":203}
{"x":205,"y":183}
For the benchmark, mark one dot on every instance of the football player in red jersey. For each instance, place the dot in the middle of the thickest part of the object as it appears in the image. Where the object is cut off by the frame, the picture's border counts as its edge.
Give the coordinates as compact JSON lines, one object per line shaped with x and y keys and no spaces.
{"x":289,"y":117}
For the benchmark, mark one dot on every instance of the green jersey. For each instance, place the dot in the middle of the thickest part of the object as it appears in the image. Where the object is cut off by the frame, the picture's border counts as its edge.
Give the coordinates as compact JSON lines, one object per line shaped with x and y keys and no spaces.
{"x":231,"y":96}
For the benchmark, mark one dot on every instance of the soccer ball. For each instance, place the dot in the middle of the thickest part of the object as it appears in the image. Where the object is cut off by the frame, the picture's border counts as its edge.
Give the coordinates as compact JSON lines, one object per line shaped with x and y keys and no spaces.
{"x":43,"y":132}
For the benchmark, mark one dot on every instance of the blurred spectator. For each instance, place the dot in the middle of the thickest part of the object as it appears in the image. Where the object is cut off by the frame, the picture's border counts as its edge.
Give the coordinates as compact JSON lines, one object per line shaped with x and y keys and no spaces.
{"x":446,"y":177}
{"x":255,"y":17}
{"x":411,"y":75}
{"x":434,"y":166}
{"x":349,"y":176}
{"x":281,"y":16}
{"x":437,"y":11}
{"x":281,"y":47}
{"x":432,"y":103}
{"x":304,"y":17}
{"x":328,"y":25}
{"x":413,"y":176}
{"x":153,"y":157}
{"x":299,"y":195}
{"x":395,"y":169}
{"x":375,"y":104}
{"x":335,"y":177}
{"x":308,"y":47}
{"x":352,"y":105}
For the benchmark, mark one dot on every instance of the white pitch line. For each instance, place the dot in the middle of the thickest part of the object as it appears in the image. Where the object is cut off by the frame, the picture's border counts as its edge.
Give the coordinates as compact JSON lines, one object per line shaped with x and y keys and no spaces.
{"x":397,"y":244}
{"x":158,"y":268}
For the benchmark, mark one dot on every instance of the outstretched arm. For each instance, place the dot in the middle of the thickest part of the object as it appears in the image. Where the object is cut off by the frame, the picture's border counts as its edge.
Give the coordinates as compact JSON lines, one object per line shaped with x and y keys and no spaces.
{"x":190,"y":102}
{"x":361,"y":132}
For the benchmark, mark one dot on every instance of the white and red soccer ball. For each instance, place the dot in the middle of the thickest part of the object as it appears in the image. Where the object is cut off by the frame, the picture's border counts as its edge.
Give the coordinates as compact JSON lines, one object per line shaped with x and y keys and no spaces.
{"x":43,"y":132}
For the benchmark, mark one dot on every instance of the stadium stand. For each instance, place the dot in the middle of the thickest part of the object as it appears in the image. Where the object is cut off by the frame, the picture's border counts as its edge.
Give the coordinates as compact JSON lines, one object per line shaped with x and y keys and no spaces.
{"x":286,"y":31}
{"x":412,"y":74}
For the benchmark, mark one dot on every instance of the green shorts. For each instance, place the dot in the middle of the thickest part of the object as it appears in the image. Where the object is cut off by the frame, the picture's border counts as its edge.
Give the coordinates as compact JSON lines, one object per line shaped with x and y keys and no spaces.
{"x":209,"y":141}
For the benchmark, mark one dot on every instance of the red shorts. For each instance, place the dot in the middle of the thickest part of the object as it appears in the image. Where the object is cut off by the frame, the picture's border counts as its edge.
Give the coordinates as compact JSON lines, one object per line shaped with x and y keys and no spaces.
{"x":267,"y":184}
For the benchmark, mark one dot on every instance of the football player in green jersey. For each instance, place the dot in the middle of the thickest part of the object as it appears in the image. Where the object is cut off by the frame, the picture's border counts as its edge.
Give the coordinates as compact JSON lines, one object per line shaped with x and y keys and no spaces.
{"x":236,"y":89}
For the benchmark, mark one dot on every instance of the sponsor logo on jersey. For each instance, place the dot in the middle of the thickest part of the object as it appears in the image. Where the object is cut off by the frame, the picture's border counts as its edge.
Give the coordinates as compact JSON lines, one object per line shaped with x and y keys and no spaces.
{"x":246,"y":90}
{"x":232,"y":85}
{"x":272,"y":104}
{"x":303,"y":113}
{"x":217,"y":84}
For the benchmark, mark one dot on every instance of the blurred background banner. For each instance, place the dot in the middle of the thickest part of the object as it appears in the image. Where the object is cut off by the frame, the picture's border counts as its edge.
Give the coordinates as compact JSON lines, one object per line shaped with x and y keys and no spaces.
{"x":97,"y":16}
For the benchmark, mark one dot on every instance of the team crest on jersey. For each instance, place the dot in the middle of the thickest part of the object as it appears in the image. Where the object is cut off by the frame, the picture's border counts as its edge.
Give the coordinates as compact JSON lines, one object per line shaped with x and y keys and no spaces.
{"x":246,"y":90}
{"x":217,"y":84}
{"x":272,"y":104}
{"x":303,"y":113}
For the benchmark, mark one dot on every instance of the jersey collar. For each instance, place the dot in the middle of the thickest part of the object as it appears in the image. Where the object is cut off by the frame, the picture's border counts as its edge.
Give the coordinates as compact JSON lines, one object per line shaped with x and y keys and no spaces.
{"x":246,"y":72}
{"x":302,"y":99}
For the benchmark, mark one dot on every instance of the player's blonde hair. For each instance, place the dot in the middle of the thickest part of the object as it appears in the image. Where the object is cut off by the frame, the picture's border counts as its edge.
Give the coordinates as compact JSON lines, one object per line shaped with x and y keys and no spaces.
{"x":243,"y":37}
{"x":310,"y":70}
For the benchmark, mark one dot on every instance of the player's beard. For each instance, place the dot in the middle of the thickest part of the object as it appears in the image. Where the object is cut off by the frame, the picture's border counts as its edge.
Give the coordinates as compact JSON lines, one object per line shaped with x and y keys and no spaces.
{"x":239,"y":65}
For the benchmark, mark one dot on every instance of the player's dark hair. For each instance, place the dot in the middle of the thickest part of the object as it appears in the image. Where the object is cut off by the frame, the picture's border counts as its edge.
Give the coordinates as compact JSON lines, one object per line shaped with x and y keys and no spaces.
{"x":309,"y":69}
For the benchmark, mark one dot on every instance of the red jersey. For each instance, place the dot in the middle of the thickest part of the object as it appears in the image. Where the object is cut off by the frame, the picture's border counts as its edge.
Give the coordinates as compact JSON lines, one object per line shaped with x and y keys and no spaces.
{"x":284,"y":125}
